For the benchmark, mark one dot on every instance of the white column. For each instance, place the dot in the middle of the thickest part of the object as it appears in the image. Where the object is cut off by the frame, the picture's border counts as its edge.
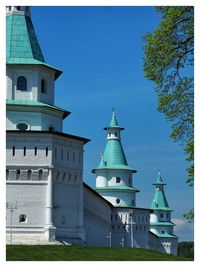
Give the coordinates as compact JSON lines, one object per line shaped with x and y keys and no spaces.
{"x":49,"y":228}
{"x":49,"y":203}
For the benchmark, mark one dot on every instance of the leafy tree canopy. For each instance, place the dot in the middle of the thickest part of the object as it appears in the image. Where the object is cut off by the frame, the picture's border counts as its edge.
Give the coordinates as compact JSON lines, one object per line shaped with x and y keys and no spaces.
{"x":169,"y":58}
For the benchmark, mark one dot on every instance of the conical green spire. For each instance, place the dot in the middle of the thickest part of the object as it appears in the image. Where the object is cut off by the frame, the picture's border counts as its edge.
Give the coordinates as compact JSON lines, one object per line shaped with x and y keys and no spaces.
{"x":22,"y":46}
{"x":159,"y":200}
{"x":114,"y":156}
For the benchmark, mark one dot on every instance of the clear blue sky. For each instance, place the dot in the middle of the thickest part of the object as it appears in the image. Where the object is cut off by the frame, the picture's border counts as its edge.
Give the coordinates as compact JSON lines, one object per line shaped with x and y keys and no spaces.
{"x":100,"y":50}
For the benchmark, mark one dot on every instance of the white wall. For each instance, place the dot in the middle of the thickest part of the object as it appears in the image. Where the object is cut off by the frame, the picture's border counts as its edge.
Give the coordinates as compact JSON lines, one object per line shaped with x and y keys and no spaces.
{"x":33,"y":74}
{"x":97,"y":216}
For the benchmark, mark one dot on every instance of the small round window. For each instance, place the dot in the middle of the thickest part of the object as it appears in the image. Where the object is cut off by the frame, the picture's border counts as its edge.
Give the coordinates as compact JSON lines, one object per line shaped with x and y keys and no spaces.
{"x":118,"y":200}
{"x":22,"y":126}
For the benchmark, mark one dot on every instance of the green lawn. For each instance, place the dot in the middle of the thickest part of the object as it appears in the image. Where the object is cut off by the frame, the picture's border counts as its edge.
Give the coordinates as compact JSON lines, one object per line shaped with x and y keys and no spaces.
{"x":83,"y":253}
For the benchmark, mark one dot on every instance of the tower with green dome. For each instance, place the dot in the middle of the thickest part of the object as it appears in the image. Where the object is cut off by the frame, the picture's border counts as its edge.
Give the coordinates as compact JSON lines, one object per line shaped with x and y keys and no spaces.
{"x":113,"y":174}
{"x":161,"y":227}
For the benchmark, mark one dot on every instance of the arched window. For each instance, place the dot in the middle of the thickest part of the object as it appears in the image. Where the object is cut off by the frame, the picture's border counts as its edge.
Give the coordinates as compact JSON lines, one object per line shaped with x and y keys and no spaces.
{"x":22,"y":218}
{"x":21,"y":83}
{"x":43,"y":86}
{"x":118,"y":180}
{"x":51,"y":129}
{"x":118,"y":200}
{"x":22,"y":126}
{"x":57,"y":176}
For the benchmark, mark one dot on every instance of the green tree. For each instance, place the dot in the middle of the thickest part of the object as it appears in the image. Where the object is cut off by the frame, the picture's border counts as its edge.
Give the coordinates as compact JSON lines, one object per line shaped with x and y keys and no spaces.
{"x":168,"y":62}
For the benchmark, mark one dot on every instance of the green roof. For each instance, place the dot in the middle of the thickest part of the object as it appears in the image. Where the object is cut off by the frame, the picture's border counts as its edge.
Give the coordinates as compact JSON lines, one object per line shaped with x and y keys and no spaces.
{"x":20,"y":102}
{"x":162,"y":223}
{"x":22,"y":46}
{"x":159,"y":180}
{"x":159,"y":201}
{"x":165,"y":235}
{"x":113,"y":156}
{"x":113,"y":123}
{"x":117,"y":188}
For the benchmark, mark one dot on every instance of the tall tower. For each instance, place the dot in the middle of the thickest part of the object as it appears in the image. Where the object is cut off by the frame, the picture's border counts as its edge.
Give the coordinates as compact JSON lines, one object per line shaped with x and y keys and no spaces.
{"x":44,"y":165}
{"x":113,"y":175}
{"x":160,"y":221}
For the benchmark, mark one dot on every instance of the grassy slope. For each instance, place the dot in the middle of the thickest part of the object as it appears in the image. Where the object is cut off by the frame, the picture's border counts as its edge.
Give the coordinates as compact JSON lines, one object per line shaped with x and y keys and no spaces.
{"x":83,"y":253}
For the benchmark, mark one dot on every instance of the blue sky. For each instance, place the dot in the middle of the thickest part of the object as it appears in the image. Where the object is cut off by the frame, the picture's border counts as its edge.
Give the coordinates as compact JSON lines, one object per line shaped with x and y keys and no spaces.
{"x":100,"y":50}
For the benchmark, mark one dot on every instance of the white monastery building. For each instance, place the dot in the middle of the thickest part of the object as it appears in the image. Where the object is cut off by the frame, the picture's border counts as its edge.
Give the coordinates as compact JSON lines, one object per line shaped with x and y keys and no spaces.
{"x":47,"y":200}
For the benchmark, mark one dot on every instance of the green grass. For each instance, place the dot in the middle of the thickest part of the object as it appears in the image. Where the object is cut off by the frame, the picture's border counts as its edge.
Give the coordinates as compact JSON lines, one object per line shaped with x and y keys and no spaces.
{"x":83,"y":253}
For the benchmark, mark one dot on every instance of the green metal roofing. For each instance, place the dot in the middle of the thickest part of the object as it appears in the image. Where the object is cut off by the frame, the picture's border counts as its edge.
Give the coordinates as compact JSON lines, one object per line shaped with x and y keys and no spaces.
{"x":117,"y":188}
{"x":159,"y":201}
{"x":22,"y":46}
{"x":113,"y":156}
{"x":20,"y":102}
{"x":159,"y":180}
{"x":113,"y":123}
{"x":165,"y":235}
{"x":162,"y":223}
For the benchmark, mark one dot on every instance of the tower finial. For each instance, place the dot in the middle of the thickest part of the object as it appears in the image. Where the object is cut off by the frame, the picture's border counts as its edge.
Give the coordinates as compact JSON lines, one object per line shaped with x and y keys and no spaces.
{"x":159,"y":172}
{"x":113,"y":111}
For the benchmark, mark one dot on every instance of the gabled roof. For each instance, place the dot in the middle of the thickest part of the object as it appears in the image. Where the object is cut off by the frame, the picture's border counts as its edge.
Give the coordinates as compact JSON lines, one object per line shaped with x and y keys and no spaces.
{"x":22,"y":46}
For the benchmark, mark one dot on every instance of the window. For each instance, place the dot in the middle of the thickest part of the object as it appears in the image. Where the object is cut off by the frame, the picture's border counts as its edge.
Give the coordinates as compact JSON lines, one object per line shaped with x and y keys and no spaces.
{"x":63,"y":176}
{"x":9,"y":8}
{"x":18,"y":8}
{"x":7,"y":174}
{"x":40,"y":174}
{"x":61,"y":154}
{"x":115,"y":134}
{"x":115,"y":217}
{"x":73,"y":156}
{"x":69,"y":179}
{"x":43,"y":86}
{"x":132,"y":202}
{"x":35,"y":151}
{"x":13,"y":151}
{"x":55,"y":152}
{"x":22,"y":218}
{"x":21,"y":83}
{"x":47,"y":151}
{"x":79,"y":158}
{"x":29,"y":174}
{"x":118,"y":180}
{"x":22,"y":126}
{"x":129,"y":181}
{"x":51,"y":129}
{"x":67,"y":155}
{"x":18,"y":174}
{"x":161,"y":215}
{"x":163,"y":232}
{"x":24,"y":151}
{"x":118,"y":200}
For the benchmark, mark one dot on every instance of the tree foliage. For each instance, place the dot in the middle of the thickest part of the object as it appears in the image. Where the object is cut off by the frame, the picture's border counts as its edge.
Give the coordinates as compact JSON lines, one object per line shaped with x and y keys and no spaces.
{"x":169,"y":59}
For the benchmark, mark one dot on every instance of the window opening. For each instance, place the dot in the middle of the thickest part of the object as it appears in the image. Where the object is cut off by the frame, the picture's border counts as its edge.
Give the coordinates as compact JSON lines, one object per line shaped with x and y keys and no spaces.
{"x":21,"y":83}
{"x":13,"y":151}
{"x":24,"y":151}
{"x":43,"y":86}
{"x":118,"y":200}
{"x":22,"y":126}
{"x":40,"y":174}
{"x":47,"y":151}
{"x":18,"y":174}
{"x":118,"y":179}
{"x":29,"y":175}
{"x":22,"y":218}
